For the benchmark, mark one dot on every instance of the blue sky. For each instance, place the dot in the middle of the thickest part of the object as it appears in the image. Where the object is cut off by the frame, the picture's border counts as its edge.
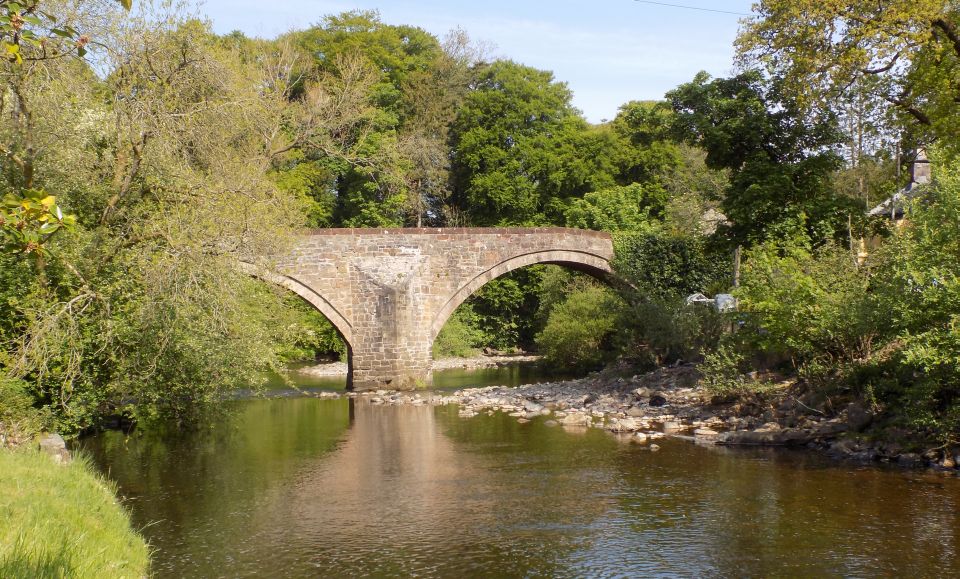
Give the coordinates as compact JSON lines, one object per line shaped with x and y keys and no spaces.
{"x":608,"y":51}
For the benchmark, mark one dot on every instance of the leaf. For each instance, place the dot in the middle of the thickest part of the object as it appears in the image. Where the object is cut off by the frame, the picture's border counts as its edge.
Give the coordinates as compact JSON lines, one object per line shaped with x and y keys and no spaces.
{"x":48,"y":228}
{"x":81,"y":51}
{"x":48,"y":201}
{"x":61,"y":33}
{"x":57,"y":212}
{"x":127,"y":4}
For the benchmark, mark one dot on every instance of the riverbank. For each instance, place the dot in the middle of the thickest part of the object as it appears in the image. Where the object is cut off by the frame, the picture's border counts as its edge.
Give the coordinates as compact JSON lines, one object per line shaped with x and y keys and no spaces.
{"x":62,"y":519}
{"x":669,"y":402}
{"x":334,"y":369}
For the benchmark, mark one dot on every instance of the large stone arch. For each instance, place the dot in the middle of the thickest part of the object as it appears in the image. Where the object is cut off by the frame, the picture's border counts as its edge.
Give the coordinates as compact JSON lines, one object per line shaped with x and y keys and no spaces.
{"x":586,"y":262}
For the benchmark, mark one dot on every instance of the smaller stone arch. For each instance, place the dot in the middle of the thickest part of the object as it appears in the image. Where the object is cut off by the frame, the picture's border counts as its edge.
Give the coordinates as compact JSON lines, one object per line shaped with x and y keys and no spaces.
{"x":307,"y":293}
{"x":588,"y":263}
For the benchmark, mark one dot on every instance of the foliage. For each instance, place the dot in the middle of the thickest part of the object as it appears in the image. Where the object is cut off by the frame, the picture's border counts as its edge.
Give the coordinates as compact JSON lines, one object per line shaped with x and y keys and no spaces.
{"x":622,"y":208}
{"x":20,"y":421}
{"x":29,"y":216}
{"x":63,"y":521}
{"x":806,"y":304}
{"x":722,"y":372}
{"x":907,"y":54}
{"x":578,"y":334}
{"x":662,"y":266}
{"x":780,"y":160}
{"x":515,"y":143}
{"x":461,"y":336}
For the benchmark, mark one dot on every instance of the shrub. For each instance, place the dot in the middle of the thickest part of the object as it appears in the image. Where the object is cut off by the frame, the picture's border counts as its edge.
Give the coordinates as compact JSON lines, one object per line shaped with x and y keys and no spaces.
{"x":722,"y":372}
{"x":806,"y":304}
{"x":460,"y":337}
{"x":579,"y":331}
{"x":19,"y":420}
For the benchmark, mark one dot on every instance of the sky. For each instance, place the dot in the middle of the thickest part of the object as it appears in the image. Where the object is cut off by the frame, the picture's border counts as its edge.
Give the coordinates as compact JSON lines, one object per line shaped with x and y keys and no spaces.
{"x":609,"y":52}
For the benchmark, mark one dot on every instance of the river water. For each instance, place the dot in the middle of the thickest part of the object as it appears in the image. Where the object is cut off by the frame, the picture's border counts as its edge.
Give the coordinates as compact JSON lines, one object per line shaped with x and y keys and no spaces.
{"x":302,"y":487}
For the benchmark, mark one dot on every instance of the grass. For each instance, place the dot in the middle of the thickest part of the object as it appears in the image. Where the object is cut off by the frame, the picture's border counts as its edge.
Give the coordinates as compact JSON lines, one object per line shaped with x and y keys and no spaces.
{"x":63,"y":521}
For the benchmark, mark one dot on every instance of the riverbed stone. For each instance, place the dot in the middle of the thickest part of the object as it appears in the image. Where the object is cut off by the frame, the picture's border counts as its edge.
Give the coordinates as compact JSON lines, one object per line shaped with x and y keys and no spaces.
{"x":858,"y":417}
{"x":707,"y":435}
{"x":658,"y":399}
{"x":672,"y":426}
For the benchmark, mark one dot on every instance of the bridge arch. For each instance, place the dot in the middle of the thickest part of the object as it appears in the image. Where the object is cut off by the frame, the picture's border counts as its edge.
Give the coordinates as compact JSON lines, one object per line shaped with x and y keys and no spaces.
{"x":583,"y":261}
{"x":308,"y":294}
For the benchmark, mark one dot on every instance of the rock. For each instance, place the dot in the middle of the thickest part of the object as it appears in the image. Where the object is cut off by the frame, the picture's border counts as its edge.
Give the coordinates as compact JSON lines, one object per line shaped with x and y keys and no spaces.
{"x":672,"y":426}
{"x":705,"y":435}
{"x":641,"y":393}
{"x":768,"y":427}
{"x":522,"y":420}
{"x":948,"y":462}
{"x":641,"y":437}
{"x":858,"y":417}
{"x":531,"y":406}
{"x":654,"y":447}
{"x":576,"y":419}
{"x":832,"y":427}
{"x":782,"y":437}
{"x":635,"y":411}
{"x":54,"y":445}
{"x":910,"y":460}
{"x":550,"y":423}
{"x":658,"y":398}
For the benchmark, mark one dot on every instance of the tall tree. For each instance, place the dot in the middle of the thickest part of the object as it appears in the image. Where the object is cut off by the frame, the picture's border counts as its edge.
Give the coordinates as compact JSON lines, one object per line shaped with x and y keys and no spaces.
{"x":906,"y":51}
{"x":516,"y":146}
{"x":780,"y":159}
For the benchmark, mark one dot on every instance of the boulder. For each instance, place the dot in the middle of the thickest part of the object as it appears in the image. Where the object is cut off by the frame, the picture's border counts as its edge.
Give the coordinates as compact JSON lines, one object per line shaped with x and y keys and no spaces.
{"x":531,"y":406}
{"x":705,"y":435}
{"x":657,"y":398}
{"x":782,"y":437}
{"x":858,"y":417}
{"x":910,"y":460}
{"x":54,"y":445}
{"x":672,"y":426}
{"x":635,"y":411}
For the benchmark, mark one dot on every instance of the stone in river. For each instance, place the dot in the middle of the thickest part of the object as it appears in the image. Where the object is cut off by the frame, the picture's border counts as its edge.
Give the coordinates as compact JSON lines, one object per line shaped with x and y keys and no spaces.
{"x":658,"y":398}
{"x":705,"y":435}
{"x":672,"y":426}
{"x":654,"y":447}
{"x":635,"y":411}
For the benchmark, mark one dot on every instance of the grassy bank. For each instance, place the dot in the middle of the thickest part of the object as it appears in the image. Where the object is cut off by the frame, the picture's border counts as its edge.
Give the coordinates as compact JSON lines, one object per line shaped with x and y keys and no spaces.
{"x":63,"y":521}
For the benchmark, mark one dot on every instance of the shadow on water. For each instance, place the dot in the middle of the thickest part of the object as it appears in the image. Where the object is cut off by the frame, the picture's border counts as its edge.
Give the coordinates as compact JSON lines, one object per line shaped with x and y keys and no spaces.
{"x":305,"y":487}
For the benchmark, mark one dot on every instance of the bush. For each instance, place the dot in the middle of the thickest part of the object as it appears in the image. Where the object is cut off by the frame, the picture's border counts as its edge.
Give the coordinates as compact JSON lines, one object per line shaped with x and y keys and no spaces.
{"x":19,"y":420}
{"x":579,"y":331}
{"x":806,"y":305}
{"x":665,"y":267}
{"x":722,"y":373}
{"x":460,"y":337}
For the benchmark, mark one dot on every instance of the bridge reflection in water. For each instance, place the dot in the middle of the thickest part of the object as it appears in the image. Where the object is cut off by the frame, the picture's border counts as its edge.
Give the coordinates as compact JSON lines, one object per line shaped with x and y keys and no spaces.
{"x":306,"y":487}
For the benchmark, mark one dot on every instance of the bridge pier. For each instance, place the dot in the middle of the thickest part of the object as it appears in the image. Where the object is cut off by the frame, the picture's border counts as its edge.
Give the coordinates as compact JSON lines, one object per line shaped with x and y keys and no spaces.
{"x":390,"y":291}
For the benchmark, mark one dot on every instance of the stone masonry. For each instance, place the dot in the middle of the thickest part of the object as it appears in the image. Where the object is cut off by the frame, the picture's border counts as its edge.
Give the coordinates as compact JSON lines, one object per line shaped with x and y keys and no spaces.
{"x":390,"y":291}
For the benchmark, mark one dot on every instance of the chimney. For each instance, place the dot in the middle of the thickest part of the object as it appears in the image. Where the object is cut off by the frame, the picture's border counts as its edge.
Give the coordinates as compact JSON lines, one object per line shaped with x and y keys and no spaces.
{"x":920,"y":169}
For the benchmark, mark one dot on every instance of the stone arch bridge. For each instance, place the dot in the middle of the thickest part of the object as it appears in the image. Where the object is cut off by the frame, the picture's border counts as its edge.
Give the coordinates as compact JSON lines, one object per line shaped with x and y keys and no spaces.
{"x":390,"y":291}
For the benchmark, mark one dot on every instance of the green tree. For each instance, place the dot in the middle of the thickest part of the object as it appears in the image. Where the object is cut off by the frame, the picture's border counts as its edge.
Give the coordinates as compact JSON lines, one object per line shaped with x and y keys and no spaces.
{"x":780,"y":159}
{"x":516,"y":148}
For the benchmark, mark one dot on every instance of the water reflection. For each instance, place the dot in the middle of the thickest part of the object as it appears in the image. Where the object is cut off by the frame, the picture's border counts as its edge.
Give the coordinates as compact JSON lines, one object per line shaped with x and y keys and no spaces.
{"x":301,"y":487}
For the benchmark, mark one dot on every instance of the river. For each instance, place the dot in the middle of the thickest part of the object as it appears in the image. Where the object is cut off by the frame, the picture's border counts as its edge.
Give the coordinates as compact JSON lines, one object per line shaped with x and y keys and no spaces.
{"x":301,"y":487}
